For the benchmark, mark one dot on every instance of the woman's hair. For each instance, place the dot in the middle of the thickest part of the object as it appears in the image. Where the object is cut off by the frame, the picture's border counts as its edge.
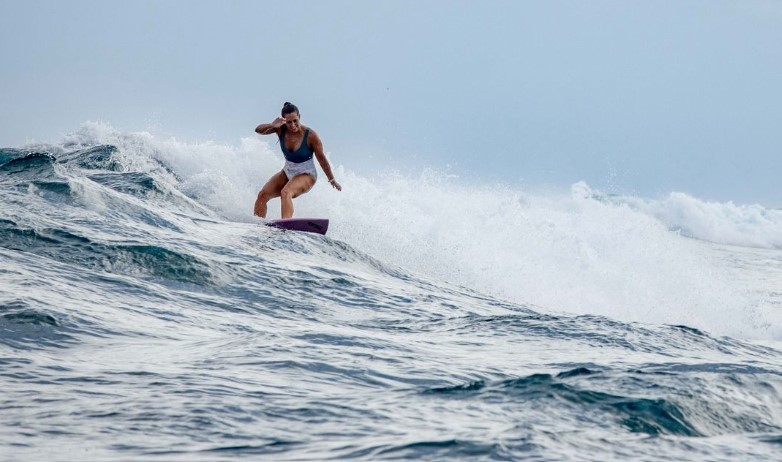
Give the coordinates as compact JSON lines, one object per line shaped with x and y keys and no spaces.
{"x":287,"y":108}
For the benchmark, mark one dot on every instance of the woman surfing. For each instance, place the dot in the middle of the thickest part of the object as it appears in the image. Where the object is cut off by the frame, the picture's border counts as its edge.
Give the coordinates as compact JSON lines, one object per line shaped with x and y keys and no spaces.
{"x":299,"y":144}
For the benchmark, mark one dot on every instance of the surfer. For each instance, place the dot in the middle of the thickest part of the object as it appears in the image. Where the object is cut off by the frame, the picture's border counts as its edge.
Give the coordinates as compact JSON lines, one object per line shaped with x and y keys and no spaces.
{"x":299,"y":144}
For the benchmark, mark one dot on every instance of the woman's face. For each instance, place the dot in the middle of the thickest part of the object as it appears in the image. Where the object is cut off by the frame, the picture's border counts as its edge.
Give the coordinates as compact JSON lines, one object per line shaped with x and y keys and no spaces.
{"x":292,"y":122}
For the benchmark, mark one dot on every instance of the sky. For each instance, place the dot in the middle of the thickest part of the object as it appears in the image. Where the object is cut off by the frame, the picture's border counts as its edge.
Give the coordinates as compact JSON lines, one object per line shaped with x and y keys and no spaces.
{"x":633,"y":97}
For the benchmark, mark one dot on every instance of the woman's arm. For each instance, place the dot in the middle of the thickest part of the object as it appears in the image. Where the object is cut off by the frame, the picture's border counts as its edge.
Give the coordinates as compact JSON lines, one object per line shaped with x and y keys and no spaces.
{"x":268,"y":129}
{"x":317,"y":147}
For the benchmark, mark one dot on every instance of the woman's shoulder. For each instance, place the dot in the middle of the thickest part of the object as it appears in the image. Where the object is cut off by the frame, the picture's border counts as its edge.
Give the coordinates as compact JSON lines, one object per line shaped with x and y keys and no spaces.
{"x":311,"y":132}
{"x":313,"y":140}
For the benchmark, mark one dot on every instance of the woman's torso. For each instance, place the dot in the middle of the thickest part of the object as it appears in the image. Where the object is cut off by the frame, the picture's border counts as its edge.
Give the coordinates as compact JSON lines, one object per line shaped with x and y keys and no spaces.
{"x":296,"y":148}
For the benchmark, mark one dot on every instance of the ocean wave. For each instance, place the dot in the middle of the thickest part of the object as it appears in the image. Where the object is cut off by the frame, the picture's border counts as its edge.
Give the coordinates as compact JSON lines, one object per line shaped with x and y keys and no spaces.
{"x":583,"y":252}
{"x":642,"y":406}
{"x":30,"y":165}
{"x":145,"y":313}
{"x":719,"y":222}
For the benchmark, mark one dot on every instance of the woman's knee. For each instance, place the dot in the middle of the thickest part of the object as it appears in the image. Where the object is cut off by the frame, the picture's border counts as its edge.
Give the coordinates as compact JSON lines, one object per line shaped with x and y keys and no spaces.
{"x":264,"y":197}
{"x":287,"y":193}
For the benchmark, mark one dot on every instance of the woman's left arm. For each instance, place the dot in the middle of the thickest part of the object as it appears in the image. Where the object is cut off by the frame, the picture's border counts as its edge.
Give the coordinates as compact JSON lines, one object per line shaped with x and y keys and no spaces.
{"x":317,"y":147}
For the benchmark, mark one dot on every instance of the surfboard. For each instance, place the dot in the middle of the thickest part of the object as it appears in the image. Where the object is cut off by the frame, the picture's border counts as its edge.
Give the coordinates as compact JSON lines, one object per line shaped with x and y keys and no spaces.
{"x":308,"y":225}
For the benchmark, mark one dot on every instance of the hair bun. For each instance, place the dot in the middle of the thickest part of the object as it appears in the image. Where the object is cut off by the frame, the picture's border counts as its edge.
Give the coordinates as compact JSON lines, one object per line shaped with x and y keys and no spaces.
{"x":288,"y":108}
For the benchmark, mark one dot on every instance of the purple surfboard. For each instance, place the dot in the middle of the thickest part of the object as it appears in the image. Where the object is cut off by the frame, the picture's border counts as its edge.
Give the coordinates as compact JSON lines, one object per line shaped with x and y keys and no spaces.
{"x":310,"y":225}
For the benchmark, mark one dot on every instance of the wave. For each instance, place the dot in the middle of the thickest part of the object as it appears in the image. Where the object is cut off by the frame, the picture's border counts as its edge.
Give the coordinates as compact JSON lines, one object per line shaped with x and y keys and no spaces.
{"x":631,"y":403}
{"x":34,"y":164}
{"x":582,"y":252}
{"x":722,"y":223}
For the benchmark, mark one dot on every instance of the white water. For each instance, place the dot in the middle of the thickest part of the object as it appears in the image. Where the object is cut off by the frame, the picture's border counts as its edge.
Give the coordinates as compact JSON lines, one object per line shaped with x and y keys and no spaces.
{"x":627,"y":258}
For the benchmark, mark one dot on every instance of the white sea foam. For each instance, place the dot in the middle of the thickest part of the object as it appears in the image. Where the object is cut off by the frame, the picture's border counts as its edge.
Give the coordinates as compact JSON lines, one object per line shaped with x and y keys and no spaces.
{"x":579,"y":252}
{"x":724,"y":223}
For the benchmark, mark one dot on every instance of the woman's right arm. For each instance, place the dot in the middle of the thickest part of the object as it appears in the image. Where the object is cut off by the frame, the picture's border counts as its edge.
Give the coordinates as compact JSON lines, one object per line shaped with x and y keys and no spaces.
{"x":268,"y":129}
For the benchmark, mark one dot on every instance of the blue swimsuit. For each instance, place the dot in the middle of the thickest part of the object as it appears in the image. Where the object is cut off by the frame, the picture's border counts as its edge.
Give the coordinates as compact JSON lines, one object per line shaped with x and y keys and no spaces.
{"x":303,"y":154}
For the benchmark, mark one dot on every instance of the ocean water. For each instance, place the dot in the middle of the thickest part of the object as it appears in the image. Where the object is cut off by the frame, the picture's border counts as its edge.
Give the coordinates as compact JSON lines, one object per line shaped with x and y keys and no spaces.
{"x":145,"y":314}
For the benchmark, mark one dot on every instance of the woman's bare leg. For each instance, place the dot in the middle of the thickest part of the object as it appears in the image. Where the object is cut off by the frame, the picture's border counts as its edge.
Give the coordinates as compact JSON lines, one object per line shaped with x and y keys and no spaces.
{"x":269,"y":191}
{"x":298,"y":185}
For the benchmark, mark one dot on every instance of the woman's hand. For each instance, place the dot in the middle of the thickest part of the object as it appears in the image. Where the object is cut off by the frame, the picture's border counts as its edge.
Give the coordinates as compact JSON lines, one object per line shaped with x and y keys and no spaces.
{"x":336,"y":185}
{"x":268,"y":129}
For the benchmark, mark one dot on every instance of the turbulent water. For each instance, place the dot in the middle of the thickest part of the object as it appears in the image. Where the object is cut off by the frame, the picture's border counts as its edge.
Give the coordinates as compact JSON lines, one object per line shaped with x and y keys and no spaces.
{"x":146,"y":315}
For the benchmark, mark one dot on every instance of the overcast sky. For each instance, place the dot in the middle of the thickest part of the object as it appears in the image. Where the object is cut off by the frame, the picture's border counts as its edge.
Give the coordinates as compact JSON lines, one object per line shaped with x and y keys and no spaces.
{"x":642,"y":97}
